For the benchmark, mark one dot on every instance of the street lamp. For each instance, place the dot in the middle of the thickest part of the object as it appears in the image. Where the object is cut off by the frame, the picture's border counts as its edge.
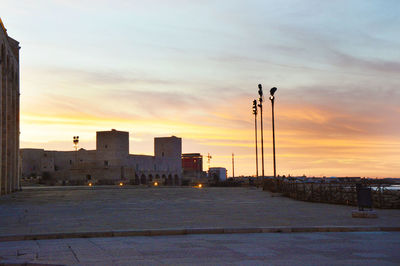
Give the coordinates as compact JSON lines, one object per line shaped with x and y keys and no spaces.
{"x":272,"y":98}
{"x":255,"y":109}
{"x":76,"y":142}
{"x":260,"y":99}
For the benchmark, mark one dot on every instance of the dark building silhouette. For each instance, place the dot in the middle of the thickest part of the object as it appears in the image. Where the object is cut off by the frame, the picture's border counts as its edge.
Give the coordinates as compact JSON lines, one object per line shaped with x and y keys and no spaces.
{"x":9,"y":118}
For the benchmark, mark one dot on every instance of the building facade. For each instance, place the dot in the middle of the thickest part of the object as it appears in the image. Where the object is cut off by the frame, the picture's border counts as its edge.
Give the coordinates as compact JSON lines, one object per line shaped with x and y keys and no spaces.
{"x":110,"y":163}
{"x":192,"y":163}
{"x":217,"y":173}
{"x":9,"y":118}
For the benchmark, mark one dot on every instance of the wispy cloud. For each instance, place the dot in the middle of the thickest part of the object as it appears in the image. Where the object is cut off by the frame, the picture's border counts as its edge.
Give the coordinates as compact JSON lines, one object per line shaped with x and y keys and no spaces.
{"x":191,"y":69}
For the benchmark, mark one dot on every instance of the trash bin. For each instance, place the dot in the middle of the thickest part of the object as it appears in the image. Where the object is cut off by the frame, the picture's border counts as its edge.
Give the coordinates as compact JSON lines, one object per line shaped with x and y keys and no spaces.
{"x":364,"y":197}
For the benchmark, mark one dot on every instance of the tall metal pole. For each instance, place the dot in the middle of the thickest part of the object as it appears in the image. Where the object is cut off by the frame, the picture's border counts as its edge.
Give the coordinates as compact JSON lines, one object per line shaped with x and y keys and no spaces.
{"x":260,"y":92}
{"x":273,"y":133}
{"x":255,"y":132}
{"x":233,"y":165}
{"x":255,"y":129}
{"x":272,"y":98}
{"x":76,"y":142}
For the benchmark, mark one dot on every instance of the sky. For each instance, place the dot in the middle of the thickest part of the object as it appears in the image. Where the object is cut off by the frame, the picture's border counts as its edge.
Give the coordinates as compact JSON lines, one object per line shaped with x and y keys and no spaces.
{"x":191,"y":69}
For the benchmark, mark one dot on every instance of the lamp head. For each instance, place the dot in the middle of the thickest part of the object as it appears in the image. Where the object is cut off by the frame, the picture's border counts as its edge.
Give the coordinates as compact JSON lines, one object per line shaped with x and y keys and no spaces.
{"x":272,"y":91}
{"x":254,"y":107}
{"x":260,"y":92}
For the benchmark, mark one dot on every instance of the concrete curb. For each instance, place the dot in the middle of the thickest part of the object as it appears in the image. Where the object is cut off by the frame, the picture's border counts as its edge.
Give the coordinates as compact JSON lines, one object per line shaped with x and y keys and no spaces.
{"x":188,"y":231}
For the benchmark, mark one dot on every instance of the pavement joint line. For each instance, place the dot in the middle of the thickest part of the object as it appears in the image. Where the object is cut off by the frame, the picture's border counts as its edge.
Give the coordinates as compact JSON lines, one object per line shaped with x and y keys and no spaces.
{"x":189,"y":231}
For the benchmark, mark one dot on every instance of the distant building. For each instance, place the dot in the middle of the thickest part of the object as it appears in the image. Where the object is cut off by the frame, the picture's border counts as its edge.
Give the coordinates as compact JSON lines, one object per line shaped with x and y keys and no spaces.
{"x":217,"y":173}
{"x":192,"y":163}
{"x":192,"y":166}
{"x":9,"y":118}
{"x":110,"y":163}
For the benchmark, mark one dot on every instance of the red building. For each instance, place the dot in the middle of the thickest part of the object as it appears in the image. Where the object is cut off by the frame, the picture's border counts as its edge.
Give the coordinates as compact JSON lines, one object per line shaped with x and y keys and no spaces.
{"x":192,"y":163}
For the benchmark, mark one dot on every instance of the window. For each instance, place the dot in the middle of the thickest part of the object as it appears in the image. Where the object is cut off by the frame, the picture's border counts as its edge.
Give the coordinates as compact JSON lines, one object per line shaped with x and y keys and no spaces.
{"x":162,"y":154}
{"x":70,"y":161}
{"x":105,"y":163}
{"x":106,"y":146}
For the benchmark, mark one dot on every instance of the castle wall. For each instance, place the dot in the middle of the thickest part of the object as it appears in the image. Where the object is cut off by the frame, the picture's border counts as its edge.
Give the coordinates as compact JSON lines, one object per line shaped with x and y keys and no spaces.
{"x":109,"y":164}
{"x":9,"y":113}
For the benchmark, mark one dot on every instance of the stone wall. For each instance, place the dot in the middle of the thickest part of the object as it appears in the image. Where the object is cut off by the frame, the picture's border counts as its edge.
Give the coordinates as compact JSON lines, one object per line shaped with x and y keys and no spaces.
{"x":9,"y":113}
{"x":346,"y":194}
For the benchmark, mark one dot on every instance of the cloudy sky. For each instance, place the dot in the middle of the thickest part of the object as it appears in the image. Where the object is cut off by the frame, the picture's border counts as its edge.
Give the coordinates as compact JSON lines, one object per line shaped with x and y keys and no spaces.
{"x":191,"y":69}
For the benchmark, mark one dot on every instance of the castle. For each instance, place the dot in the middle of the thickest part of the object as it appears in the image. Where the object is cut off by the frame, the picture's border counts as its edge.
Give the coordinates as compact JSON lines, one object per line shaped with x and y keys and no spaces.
{"x":9,"y":113}
{"x":110,"y":163}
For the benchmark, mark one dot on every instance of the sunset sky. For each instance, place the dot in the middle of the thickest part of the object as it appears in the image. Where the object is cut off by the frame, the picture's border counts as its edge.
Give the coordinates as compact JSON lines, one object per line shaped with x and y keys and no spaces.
{"x":191,"y":69}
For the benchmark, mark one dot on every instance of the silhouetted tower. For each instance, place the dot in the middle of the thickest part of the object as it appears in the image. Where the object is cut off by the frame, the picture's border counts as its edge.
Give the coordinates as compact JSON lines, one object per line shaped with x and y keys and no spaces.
{"x":260,"y":93}
{"x":255,"y":109}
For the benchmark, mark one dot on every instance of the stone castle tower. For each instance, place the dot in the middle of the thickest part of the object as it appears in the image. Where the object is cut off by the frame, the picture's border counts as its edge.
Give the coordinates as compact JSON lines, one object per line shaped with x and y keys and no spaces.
{"x":9,"y":118}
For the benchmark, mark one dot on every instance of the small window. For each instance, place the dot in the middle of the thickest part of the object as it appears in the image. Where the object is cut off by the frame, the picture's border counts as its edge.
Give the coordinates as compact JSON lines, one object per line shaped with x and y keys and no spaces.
{"x":106,"y":146}
{"x":162,"y":154}
{"x":70,"y":161}
{"x":105,"y":163}
{"x":88,"y":177}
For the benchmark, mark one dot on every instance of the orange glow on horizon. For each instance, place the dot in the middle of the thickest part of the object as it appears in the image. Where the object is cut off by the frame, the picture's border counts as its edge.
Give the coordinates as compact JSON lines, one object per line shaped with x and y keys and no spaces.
{"x":309,"y":140}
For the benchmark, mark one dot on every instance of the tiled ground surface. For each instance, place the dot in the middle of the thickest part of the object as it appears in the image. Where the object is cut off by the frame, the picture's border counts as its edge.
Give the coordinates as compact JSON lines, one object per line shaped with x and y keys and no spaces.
{"x":103,"y":209}
{"x":367,"y":248}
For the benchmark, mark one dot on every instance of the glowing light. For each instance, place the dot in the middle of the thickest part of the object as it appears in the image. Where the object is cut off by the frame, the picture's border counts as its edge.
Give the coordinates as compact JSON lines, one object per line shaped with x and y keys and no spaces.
{"x":200,"y":185}
{"x":121,"y":184}
{"x":155,"y":184}
{"x":90,"y":184}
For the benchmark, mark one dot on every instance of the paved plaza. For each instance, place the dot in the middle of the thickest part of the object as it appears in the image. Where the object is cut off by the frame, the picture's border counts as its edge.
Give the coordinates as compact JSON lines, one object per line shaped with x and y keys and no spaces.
{"x":361,"y":248}
{"x":65,"y":210}
{"x":84,"y":209}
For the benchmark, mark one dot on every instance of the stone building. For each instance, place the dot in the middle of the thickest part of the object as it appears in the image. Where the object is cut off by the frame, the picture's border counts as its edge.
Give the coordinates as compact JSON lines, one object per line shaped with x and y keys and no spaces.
{"x":110,"y":163}
{"x":9,"y":118}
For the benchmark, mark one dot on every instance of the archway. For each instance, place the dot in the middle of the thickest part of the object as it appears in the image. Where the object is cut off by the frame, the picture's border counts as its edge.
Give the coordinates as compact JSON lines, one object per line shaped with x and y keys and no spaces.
{"x":143,"y":180}
{"x":169,"y":182}
{"x":137,"y":180}
{"x":164,"y":179}
{"x":150,"y":178}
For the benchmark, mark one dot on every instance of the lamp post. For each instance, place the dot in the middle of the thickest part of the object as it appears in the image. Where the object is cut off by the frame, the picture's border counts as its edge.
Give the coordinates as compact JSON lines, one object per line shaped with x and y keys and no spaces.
{"x":76,"y":142}
{"x":260,"y":93}
{"x":272,"y":98}
{"x":233,"y":165}
{"x":255,"y":132}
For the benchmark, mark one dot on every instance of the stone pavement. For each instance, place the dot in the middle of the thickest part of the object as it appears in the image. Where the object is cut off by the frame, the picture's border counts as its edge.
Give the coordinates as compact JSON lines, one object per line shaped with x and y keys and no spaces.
{"x":358,"y":248}
{"x":84,"y":209}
